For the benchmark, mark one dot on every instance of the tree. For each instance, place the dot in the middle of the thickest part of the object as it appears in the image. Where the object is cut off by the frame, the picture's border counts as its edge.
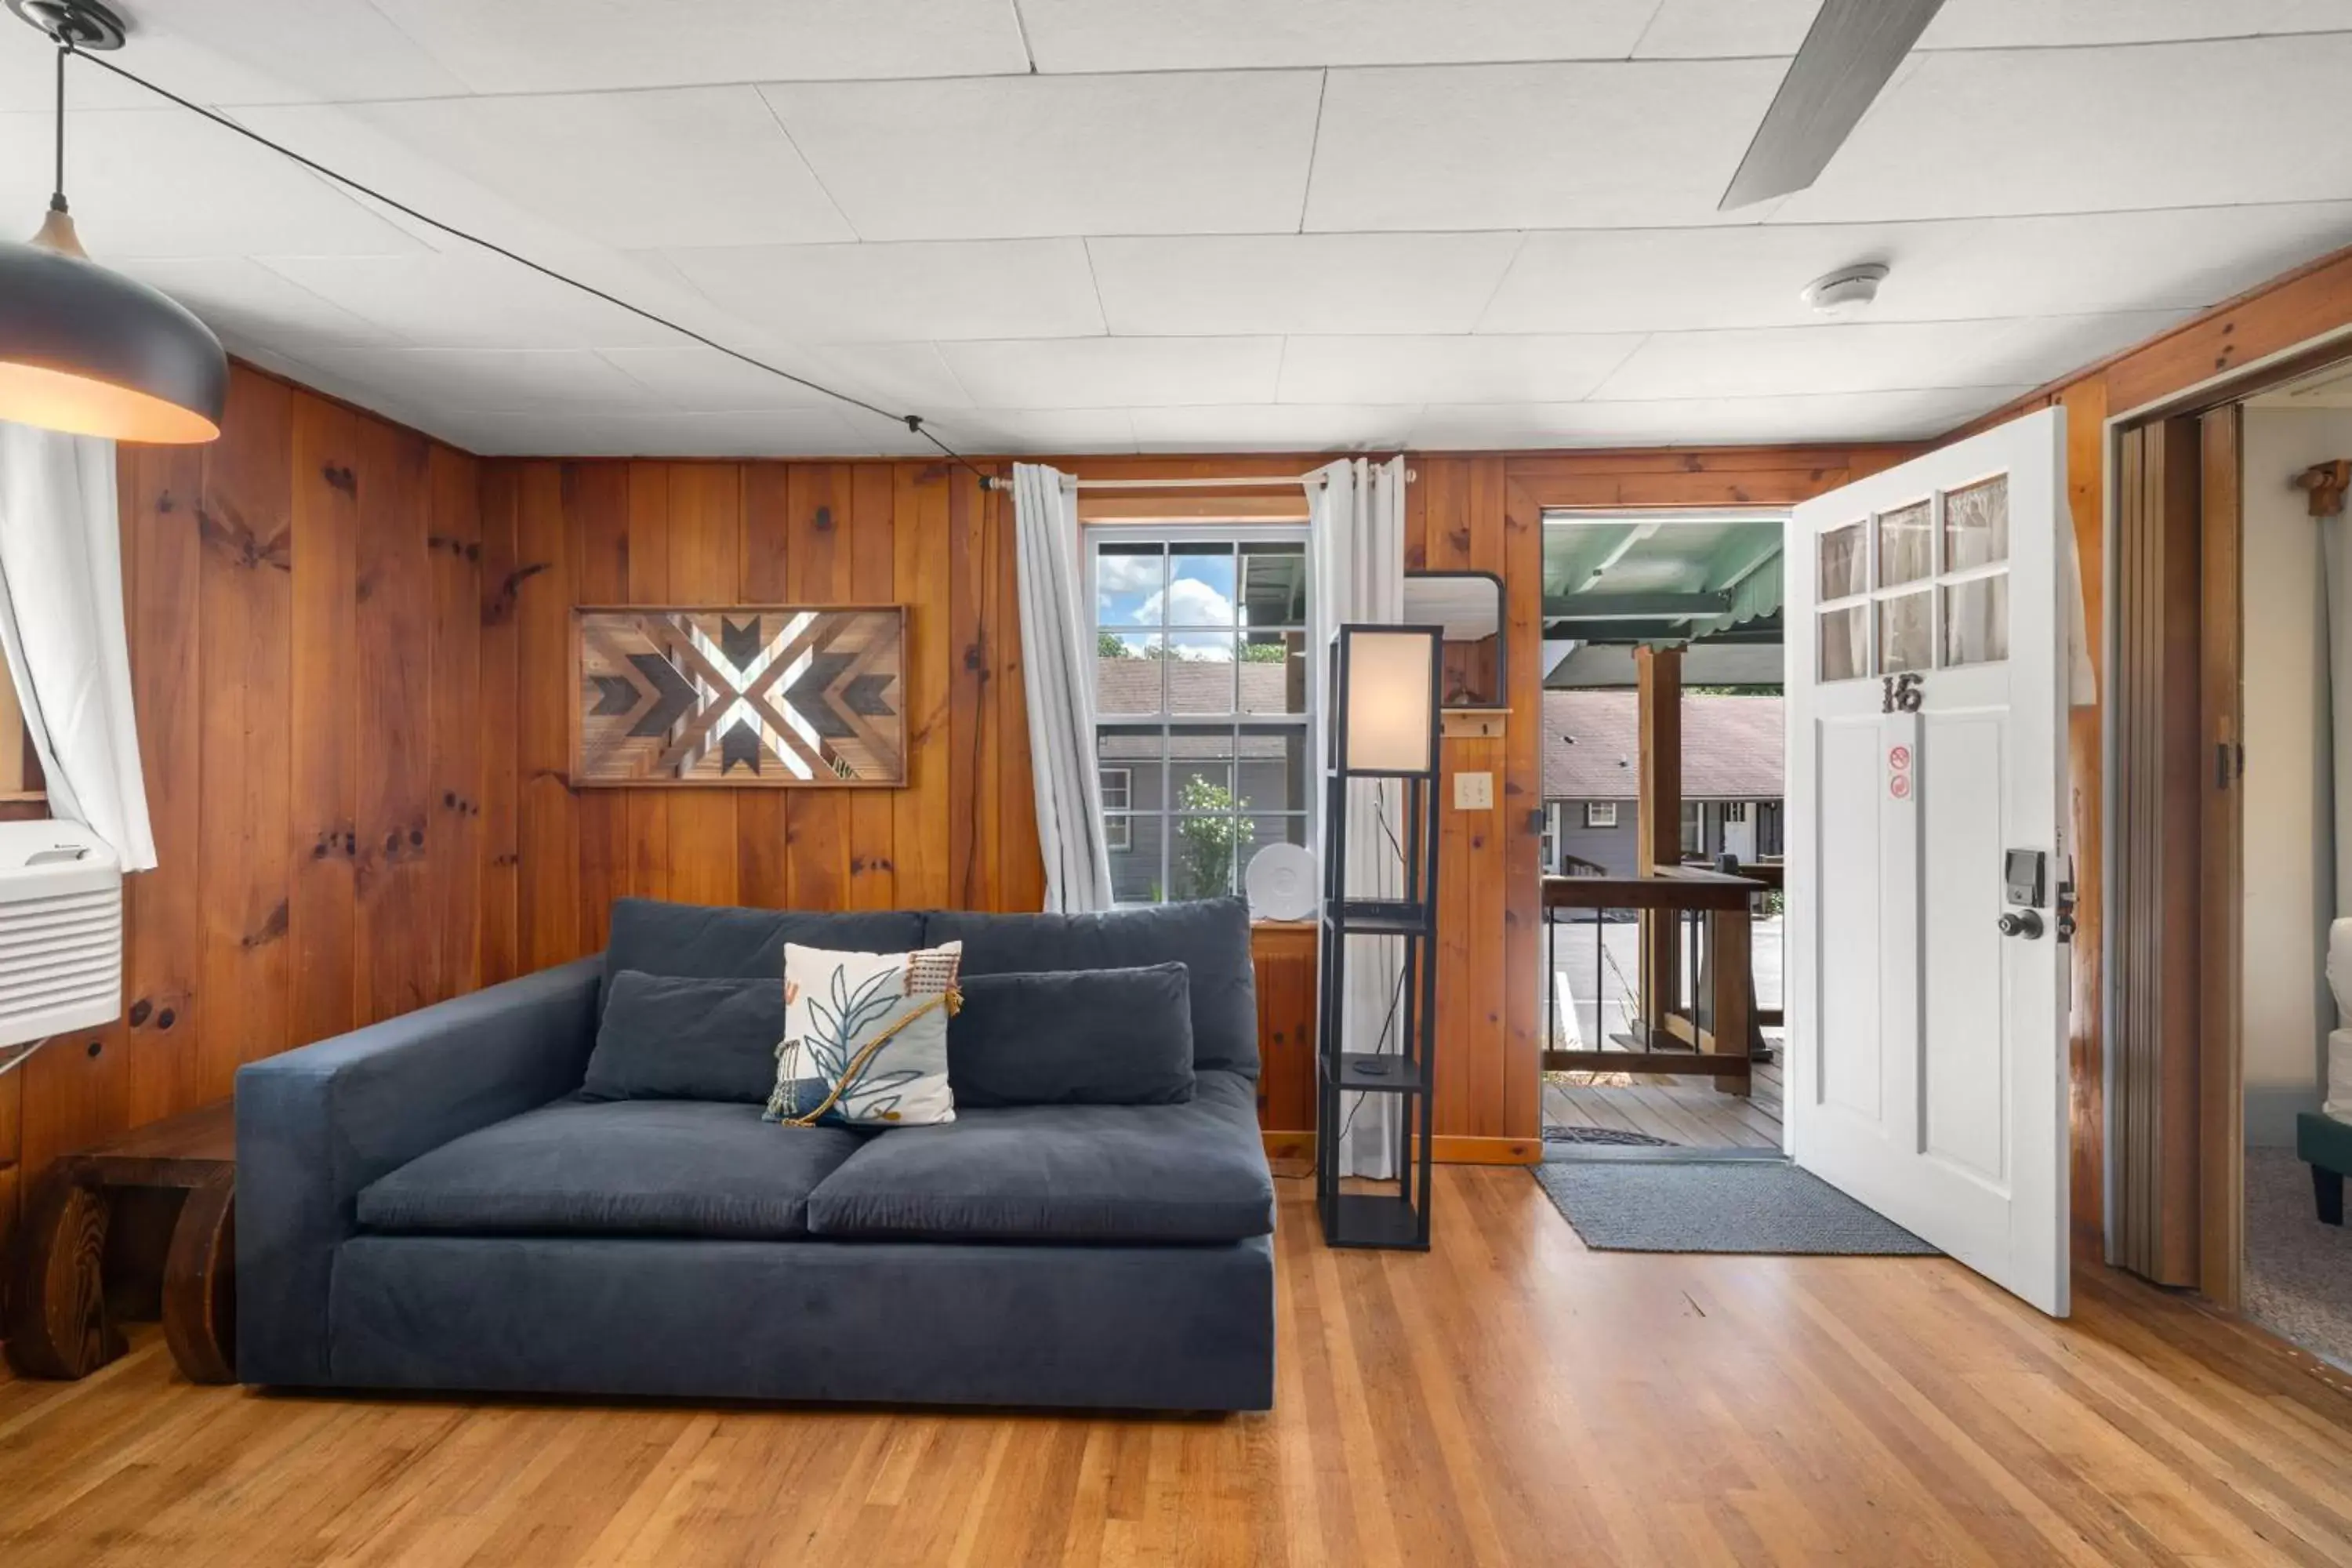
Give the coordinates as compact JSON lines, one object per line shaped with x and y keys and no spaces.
{"x":1205,"y":858}
{"x":1263,"y":653}
{"x":1108,"y":646}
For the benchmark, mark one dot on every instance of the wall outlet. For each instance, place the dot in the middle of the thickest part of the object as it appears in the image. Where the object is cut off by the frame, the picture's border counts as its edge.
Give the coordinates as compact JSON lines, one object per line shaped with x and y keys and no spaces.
{"x":1474,"y":792}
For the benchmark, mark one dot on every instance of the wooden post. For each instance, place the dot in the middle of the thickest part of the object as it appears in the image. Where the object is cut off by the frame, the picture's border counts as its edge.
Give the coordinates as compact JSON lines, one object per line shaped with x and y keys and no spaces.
{"x":1658,"y":677}
{"x":1728,"y":960}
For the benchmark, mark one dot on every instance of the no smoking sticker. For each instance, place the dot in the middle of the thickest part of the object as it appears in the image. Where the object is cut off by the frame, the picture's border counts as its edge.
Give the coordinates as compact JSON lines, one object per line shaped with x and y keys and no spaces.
{"x":1898,"y":758}
{"x":1899,"y":786}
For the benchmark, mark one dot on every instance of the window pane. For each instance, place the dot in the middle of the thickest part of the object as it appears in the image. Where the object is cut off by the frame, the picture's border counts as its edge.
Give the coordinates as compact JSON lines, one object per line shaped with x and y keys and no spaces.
{"x":1201,"y":767}
{"x":1976,"y":621}
{"x":1905,"y":545}
{"x":1127,"y":672}
{"x":1905,"y":639}
{"x":1128,"y":756}
{"x":1845,"y":560}
{"x":1126,"y":584}
{"x":1976,"y":525}
{"x":1201,"y":672}
{"x":1845,"y":643}
{"x":1270,"y":768}
{"x":1204,"y":855}
{"x":1117,"y":789}
{"x":1274,"y":584}
{"x":1201,"y":585}
{"x":1135,"y":870}
{"x":1273,"y":672}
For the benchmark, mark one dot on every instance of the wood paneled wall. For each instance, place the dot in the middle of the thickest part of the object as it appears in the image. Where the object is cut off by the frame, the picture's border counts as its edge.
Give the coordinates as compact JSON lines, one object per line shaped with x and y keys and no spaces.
{"x":560,"y":534}
{"x":2311,"y":302}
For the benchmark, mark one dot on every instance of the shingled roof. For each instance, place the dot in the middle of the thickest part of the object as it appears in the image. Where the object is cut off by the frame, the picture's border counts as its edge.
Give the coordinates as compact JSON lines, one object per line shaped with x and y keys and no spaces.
{"x":1731,"y":746}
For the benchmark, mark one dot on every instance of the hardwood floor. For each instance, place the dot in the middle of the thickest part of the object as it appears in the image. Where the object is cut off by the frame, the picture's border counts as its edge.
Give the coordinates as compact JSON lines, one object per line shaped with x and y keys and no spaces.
{"x":1507,"y":1398}
{"x":1688,"y":1113}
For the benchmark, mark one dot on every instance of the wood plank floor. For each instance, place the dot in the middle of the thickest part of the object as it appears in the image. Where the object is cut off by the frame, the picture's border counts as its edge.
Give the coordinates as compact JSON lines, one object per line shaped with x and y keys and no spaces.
{"x":1689,"y":1112}
{"x":1507,"y":1398}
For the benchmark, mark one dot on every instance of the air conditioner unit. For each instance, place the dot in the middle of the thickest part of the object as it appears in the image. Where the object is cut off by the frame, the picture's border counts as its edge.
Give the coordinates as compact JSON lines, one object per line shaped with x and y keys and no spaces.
{"x":60,"y":931}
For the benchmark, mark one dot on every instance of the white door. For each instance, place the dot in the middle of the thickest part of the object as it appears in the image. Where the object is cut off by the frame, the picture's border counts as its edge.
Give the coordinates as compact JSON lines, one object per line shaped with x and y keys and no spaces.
{"x":1739,"y":831}
{"x":1926,"y":686}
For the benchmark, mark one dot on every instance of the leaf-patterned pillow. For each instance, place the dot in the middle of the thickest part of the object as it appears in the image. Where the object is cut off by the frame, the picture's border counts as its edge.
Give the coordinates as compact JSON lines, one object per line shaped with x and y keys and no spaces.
{"x":871,"y":1028}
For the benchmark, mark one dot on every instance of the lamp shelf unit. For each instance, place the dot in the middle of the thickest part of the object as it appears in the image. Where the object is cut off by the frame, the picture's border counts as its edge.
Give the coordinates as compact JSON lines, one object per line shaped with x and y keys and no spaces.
{"x":1384,"y":683}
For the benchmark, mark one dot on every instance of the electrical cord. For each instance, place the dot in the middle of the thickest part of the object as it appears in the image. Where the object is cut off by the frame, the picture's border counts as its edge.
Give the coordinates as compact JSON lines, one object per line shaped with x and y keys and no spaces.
{"x":913,"y":422}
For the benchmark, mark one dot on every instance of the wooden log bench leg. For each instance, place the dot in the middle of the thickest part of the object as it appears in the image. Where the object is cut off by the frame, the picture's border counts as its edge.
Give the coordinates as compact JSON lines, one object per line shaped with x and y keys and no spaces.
{"x":200,"y":1284}
{"x":58,"y":1322}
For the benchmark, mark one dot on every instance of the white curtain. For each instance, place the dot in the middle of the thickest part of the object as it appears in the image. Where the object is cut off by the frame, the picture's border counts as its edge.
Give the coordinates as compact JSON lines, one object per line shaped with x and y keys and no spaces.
{"x":1356,"y":547}
{"x":1059,"y":669}
{"x":61,"y":625}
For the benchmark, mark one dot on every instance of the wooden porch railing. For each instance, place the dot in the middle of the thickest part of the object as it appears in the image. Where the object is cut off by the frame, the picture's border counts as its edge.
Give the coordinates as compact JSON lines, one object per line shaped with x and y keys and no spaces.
{"x":1711,"y":1037}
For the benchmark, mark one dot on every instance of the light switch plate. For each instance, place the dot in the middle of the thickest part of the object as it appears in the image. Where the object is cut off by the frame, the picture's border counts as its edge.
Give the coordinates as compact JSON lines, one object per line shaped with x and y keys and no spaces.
{"x":1474,"y":792}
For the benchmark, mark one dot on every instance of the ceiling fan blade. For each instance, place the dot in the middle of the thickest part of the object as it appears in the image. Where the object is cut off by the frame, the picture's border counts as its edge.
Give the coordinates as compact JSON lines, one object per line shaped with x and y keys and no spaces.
{"x":1853,"y":48}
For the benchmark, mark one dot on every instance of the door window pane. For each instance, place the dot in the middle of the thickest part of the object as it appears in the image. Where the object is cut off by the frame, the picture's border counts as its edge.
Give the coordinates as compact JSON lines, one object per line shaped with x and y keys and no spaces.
{"x":1127,"y":582}
{"x":1976,"y":621}
{"x":1906,"y":545}
{"x":1845,"y":560}
{"x":1845,"y":643}
{"x":1128,"y":667}
{"x":1975,"y":524}
{"x":1905,"y":633}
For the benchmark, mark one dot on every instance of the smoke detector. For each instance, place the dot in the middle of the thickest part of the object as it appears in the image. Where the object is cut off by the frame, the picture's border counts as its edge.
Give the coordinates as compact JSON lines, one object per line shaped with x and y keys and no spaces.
{"x":1848,"y":292}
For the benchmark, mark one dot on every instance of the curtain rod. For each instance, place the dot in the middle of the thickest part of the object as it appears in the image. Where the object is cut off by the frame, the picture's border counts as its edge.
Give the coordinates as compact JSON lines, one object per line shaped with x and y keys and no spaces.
{"x":1260,"y":481}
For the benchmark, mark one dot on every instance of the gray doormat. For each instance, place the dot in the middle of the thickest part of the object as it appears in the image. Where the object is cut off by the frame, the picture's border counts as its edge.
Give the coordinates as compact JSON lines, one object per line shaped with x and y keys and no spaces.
{"x":1731,"y":1205}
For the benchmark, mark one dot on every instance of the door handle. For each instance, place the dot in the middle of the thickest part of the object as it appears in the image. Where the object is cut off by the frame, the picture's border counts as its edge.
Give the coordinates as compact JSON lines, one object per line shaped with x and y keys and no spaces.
{"x":2026,"y":923}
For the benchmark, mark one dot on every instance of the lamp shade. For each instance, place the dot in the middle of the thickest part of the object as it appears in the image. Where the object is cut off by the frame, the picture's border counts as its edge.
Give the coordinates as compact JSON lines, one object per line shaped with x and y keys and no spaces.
{"x":1388,"y":696}
{"x":89,"y":350}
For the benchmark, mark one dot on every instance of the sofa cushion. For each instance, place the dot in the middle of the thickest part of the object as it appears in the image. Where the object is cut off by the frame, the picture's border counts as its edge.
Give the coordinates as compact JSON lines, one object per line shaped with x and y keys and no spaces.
{"x":667,"y":1038}
{"x":1189,"y":1173}
{"x":633,"y":1167}
{"x":1209,"y":939}
{"x":709,"y":942}
{"x":1083,"y":1036}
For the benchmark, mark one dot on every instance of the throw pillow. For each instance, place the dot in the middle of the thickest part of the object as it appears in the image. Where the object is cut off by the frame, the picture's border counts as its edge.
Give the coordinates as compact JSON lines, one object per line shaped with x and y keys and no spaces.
{"x":1083,"y":1037}
{"x":664,"y":1038}
{"x":874,"y":1027}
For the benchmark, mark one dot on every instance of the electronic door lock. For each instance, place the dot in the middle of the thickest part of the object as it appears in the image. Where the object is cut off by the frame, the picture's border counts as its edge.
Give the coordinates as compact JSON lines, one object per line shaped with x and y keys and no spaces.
{"x":2022,"y":874}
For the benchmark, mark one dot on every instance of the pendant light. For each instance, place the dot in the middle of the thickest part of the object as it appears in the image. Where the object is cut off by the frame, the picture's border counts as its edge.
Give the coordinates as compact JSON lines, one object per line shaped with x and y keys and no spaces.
{"x":84,"y":349}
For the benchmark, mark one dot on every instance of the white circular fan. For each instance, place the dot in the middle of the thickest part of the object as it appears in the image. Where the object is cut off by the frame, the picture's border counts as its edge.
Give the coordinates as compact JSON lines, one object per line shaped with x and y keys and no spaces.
{"x":1280,"y":882}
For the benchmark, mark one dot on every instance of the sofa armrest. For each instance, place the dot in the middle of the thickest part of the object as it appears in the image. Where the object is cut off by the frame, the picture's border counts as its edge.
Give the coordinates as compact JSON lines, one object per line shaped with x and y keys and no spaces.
{"x":315,"y":1125}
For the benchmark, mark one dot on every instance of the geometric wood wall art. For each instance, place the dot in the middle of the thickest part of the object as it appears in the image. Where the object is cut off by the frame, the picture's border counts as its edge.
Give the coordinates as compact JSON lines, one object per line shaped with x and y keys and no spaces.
{"x":744,"y":696}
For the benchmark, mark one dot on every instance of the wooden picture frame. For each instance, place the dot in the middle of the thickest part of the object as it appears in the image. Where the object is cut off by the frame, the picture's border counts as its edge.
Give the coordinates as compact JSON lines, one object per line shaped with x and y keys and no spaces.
{"x":738,"y":696}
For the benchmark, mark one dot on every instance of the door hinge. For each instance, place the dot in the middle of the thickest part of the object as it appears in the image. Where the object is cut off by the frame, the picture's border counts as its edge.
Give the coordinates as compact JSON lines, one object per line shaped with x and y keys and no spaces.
{"x":2228,"y":762}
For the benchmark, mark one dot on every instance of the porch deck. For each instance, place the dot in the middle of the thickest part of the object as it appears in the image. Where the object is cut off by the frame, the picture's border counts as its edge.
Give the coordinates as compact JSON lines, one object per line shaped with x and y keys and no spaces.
{"x":1687,"y":1112}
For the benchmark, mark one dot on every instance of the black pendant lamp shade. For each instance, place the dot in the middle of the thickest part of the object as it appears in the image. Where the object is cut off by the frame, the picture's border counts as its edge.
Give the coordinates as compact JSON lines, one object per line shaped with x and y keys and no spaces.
{"x":87,"y":350}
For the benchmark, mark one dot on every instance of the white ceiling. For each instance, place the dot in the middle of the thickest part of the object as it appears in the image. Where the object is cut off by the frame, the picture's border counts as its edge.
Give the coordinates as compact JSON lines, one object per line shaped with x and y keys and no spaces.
{"x":1132,"y":224}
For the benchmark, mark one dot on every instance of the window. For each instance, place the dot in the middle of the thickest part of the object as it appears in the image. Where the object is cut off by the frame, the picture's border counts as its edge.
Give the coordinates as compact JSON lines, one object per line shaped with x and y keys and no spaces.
{"x":1118,"y":799}
{"x":1599,"y":813}
{"x":1694,"y":829}
{"x":1200,"y":701}
{"x":1734,"y":811}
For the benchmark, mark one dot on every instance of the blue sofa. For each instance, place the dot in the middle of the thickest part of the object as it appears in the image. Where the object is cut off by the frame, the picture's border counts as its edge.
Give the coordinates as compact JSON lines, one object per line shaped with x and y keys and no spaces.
{"x":1107,"y":1256}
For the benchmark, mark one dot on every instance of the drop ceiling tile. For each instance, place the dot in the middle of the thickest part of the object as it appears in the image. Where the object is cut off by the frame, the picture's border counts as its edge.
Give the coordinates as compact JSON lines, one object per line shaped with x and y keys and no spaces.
{"x":909,"y":378}
{"x":907,"y":293}
{"x":686,"y":166}
{"x":1046,"y":430}
{"x":558,"y":46}
{"x":1115,"y":372}
{"x":151,"y":183}
{"x":1281,"y":427}
{"x":1686,"y":279}
{"x":1179,"y":286}
{"x":1206,"y":35}
{"x":488,"y":380}
{"x":1535,"y":147}
{"x":779,"y":433}
{"x":1692,"y":29}
{"x":1967,"y":133}
{"x":233,"y":294}
{"x":468,"y":300}
{"x":692,"y":379}
{"x":1872,"y":357}
{"x":1872,"y":417}
{"x":234,"y":52}
{"x":1415,"y":370}
{"x":1005,"y":157}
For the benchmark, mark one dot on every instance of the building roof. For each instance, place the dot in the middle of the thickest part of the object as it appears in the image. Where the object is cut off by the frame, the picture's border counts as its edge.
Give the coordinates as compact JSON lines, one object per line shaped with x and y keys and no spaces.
{"x":1732,"y":746}
{"x":1202,"y":689}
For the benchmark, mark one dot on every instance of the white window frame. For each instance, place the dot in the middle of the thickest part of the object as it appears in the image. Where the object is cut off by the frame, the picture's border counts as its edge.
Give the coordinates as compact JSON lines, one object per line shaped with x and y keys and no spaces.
{"x":1599,"y":813}
{"x":1172,"y":537}
{"x":1118,"y":823}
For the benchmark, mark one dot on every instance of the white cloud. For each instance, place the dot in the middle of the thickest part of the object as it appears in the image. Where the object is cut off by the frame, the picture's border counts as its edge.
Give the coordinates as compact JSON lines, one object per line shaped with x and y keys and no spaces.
{"x":1126,"y":573}
{"x":1190,"y":603}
